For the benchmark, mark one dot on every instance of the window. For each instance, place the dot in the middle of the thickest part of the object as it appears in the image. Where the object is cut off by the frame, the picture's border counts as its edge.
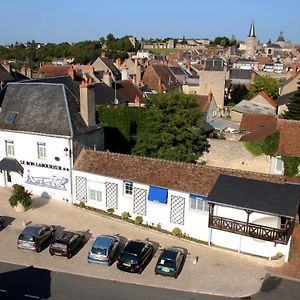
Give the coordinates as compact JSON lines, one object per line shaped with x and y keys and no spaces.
{"x":10,"y":117}
{"x":10,"y":148}
{"x":278,"y":165}
{"x":214,"y":113}
{"x":128,"y":188}
{"x":41,"y":150}
{"x":198,"y":203}
{"x":95,"y":195}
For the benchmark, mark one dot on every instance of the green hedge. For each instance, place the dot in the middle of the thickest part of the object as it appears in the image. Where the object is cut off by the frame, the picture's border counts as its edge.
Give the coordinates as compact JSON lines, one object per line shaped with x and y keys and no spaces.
{"x":123,"y":123}
{"x":291,"y":165}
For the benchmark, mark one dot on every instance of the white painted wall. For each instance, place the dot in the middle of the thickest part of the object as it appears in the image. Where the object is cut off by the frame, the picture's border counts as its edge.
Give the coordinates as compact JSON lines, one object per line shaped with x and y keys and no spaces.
{"x":195,"y":222}
{"x":244,"y":243}
{"x":26,"y":153}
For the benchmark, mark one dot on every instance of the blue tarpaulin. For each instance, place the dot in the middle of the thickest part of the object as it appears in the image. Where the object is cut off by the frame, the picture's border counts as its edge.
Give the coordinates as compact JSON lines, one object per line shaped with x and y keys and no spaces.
{"x":198,"y":197}
{"x":158,"y":194}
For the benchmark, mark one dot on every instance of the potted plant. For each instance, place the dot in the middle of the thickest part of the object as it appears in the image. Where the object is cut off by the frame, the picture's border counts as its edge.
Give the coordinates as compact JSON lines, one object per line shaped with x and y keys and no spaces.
{"x":20,"y":198}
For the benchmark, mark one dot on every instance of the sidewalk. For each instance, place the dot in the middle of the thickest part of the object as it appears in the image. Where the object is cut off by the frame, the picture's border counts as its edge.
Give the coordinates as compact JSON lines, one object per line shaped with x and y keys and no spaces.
{"x":217,"y":272}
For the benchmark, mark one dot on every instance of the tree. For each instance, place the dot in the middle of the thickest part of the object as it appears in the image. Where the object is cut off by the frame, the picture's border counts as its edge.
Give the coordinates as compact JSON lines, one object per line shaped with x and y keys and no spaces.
{"x":293,"y":112}
{"x":173,"y":129}
{"x":266,"y":84}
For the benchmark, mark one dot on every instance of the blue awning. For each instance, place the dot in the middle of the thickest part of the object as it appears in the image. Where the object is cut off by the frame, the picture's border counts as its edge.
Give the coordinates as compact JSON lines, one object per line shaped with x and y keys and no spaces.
{"x":158,"y":194}
{"x":198,"y":197}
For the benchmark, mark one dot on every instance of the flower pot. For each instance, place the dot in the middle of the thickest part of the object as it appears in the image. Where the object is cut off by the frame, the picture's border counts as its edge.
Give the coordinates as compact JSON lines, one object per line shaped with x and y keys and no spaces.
{"x":19,"y":207}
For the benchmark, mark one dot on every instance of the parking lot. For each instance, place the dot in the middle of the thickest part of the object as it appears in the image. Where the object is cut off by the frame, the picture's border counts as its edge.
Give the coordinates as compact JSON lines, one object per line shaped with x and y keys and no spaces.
{"x":217,"y":271}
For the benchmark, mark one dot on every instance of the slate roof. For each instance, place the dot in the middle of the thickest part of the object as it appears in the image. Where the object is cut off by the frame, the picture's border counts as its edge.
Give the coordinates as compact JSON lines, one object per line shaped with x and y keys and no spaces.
{"x":41,"y":108}
{"x":248,"y":106}
{"x":4,"y":75}
{"x":190,"y":178}
{"x":126,"y":92}
{"x":214,"y":64}
{"x":240,"y":74}
{"x":271,"y":198}
{"x":266,"y":97}
{"x":66,"y":80}
{"x":110,"y":65}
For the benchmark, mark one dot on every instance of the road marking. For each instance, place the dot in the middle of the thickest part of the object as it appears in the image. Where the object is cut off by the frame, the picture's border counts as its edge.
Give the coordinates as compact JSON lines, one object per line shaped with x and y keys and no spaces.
{"x":3,"y":291}
{"x":32,"y":296}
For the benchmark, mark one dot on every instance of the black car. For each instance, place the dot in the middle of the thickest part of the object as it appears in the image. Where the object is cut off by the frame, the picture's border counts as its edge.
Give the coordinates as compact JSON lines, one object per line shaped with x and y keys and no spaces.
{"x":34,"y":237}
{"x":170,"y":262}
{"x":135,"y":256}
{"x":66,"y":243}
{"x":2,"y":220}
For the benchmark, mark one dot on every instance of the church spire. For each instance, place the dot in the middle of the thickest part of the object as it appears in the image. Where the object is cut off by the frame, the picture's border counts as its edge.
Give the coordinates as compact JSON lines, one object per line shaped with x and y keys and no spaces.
{"x":252,"y":30}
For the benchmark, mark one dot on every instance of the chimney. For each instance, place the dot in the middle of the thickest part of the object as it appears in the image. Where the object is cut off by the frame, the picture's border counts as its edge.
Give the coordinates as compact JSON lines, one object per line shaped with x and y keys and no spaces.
{"x":294,"y":70}
{"x":87,"y":103}
{"x":23,"y":70}
{"x":125,"y":74}
{"x":71,"y":73}
{"x":138,"y":75}
{"x":103,"y":54}
{"x":188,"y":65}
{"x":29,"y":72}
{"x":159,"y":84}
{"x":107,"y":78}
{"x":253,"y":75}
{"x":118,"y":63}
{"x":137,"y":100}
{"x":210,"y":95}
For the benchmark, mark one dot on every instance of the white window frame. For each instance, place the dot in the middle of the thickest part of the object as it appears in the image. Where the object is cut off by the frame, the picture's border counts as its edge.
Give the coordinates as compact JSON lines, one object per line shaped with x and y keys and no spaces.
{"x":10,"y":148}
{"x":42,"y":150}
{"x":198,"y":205}
{"x":95,"y":195}
{"x":278,"y":161}
{"x":128,"y":188}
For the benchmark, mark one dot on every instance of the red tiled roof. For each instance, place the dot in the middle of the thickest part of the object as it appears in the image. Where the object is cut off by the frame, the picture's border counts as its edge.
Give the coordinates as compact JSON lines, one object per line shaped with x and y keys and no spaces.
{"x":289,"y":142}
{"x":266,"y":97}
{"x":127,"y":90}
{"x":53,"y":70}
{"x":190,"y":178}
{"x":263,"y":60}
{"x":253,"y":122}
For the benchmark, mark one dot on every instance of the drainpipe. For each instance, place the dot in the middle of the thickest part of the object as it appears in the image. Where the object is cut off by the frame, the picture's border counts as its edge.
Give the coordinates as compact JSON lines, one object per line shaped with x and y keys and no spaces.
{"x":71,"y":168}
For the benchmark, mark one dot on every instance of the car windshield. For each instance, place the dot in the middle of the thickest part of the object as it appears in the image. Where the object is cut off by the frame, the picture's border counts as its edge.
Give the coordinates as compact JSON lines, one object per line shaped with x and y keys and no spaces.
{"x":98,"y":250}
{"x":26,"y":237}
{"x":59,"y":246}
{"x":128,"y":257}
{"x":167,"y":263}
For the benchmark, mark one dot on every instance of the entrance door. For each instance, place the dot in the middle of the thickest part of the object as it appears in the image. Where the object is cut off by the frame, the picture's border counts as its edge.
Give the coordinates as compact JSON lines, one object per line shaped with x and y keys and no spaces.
{"x":8,"y":180}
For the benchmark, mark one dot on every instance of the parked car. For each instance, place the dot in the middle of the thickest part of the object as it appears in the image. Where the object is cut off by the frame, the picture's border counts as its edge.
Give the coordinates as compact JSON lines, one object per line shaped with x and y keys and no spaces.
{"x":66,"y":243}
{"x":135,"y":256}
{"x":170,"y":262}
{"x":104,"y":250}
{"x":35,"y":236}
{"x":2,"y":220}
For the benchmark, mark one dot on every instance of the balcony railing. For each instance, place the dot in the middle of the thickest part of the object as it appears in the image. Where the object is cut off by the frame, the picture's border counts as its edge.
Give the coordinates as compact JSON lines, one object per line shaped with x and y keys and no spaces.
{"x":261,"y":232}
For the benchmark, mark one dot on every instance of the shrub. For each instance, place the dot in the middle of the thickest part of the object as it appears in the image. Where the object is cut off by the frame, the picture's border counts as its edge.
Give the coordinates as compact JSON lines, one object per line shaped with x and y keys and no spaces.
{"x":177,"y":231}
{"x":125,"y":215}
{"x":82,"y":204}
{"x":291,"y":165}
{"x":138,"y":220}
{"x":110,"y":211}
{"x":20,"y":195}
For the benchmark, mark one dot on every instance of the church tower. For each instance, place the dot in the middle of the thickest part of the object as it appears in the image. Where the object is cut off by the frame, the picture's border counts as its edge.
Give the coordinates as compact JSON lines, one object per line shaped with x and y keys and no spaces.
{"x":251,"y":42}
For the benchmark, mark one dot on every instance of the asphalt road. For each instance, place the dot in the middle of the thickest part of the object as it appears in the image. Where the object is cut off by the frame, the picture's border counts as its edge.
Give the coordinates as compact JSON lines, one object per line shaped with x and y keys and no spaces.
{"x":19,"y":282}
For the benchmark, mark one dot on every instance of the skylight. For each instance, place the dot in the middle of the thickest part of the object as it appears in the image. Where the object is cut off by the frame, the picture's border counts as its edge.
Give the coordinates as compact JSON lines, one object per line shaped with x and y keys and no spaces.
{"x":10,"y":117}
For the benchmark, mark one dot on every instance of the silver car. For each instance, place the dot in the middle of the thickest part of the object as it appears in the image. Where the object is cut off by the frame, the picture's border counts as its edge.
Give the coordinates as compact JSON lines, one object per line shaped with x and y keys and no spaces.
{"x":35,"y":236}
{"x":104,"y":250}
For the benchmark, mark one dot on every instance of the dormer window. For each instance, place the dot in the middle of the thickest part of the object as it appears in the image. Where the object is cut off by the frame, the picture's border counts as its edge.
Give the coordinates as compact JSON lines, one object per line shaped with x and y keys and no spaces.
{"x":10,"y":117}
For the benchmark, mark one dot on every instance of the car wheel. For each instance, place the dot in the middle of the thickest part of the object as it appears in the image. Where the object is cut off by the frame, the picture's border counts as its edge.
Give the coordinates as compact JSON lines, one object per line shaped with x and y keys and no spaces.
{"x":51,"y":253}
{"x":69,"y":255}
{"x":39,"y":249}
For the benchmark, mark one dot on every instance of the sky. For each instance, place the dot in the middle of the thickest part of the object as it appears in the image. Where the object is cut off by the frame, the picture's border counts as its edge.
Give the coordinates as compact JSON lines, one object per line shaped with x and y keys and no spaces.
{"x":76,"y":20}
